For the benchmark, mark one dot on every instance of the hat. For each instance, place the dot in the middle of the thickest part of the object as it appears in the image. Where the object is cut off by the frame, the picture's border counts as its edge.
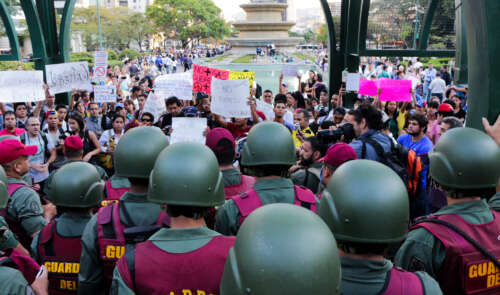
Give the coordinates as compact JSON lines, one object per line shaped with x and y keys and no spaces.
{"x":216,"y":135}
{"x":11,"y":149}
{"x":190,"y":111}
{"x":48,"y":113}
{"x":119,"y":105}
{"x":285,"y":84}
{"x":446,"y":108}
{"x":73,"y":143}
{"x":338,"y":154}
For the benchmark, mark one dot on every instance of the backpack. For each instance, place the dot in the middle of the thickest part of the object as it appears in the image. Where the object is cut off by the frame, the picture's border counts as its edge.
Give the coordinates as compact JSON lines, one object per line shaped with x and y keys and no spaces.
{"x":405,"y":162}
{"x":22,"y":138}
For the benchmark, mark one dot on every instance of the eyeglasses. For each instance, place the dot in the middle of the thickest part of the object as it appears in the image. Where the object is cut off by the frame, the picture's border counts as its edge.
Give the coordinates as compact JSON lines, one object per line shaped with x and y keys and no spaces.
{"x":146,"y":120}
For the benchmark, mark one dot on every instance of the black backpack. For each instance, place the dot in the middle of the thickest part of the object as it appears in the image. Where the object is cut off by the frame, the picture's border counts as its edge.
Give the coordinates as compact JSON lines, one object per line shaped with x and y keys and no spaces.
{"x":396,"y":158}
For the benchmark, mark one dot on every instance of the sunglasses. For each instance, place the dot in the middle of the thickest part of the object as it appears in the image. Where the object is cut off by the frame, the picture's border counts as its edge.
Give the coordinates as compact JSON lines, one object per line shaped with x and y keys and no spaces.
{"x":146,"y":120}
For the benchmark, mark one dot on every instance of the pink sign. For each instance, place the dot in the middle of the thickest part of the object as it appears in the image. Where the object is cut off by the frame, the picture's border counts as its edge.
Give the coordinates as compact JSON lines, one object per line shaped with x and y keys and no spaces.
{"x":394,"y":90}
{"x":367,"y":87}
{"x":202,"y":78}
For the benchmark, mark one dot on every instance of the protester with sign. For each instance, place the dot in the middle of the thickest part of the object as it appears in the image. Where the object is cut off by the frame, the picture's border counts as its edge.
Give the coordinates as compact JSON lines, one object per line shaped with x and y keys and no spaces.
{"x":239,"y":126}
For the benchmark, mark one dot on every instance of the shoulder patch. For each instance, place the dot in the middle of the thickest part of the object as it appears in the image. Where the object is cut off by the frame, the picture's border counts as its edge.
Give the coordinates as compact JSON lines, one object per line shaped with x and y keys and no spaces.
{"x":416,"y":264}
{"x":35,"y":207}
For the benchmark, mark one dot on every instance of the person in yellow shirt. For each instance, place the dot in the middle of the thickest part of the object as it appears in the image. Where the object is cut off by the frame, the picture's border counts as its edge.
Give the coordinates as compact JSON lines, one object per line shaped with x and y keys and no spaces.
{"x":302,"y":130}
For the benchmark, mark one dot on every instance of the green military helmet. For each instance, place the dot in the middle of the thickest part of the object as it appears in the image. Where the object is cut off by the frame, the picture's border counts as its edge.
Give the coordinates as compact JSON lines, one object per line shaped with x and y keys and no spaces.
{"x":366,"y":202}
{"x":136,"y":152}
{"x":76,"y":185}
{"x":186,"y":174}
{"x":4,"y":194}
{"x":465,"y":159}
{"x":268,"y":143}
{"x":282,"y":249}
{"x":4,"y":137}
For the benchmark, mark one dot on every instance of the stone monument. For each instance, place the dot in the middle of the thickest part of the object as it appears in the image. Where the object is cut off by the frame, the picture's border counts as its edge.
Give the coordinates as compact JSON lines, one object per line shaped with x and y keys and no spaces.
{"x":263,"y":26}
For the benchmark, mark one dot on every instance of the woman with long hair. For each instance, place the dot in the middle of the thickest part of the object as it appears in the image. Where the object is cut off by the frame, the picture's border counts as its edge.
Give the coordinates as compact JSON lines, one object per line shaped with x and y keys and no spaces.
{"x":391,"y":109}
{"x":91,"y":145}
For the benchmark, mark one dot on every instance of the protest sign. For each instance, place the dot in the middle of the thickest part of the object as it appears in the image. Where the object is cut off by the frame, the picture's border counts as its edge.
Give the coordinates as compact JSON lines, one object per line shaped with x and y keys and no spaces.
{"x":202,"y":78}
{"x":100,"y":65}
{"x":179,"y":85}
{"x":230,"y":98}
{"x":290,"y":70}
{"x":21,"y":86}
{"x":368,"y":87}
{"x":352,"y":83}
{"x":188,"y":130}
{"x":394,"y":90}
{"x":68,"y":76}
{"x":105,"y":93}
{"x":155,"y":105}
{"x":266,"y":108}
{"x":243,"y":75}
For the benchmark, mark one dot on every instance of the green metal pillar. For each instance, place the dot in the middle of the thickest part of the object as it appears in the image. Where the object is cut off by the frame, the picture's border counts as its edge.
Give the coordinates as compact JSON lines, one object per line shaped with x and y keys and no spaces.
{"x":10,"y":29}
{"x":483,"y":44}
{"x":461,"y":74}
{"x":352,"y":44}
{"x":429,"y":16}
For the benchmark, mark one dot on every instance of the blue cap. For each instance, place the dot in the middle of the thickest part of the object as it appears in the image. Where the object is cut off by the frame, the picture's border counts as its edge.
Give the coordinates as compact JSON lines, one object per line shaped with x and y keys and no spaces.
{"x":190,"y":111}
{"x":119,"y":105}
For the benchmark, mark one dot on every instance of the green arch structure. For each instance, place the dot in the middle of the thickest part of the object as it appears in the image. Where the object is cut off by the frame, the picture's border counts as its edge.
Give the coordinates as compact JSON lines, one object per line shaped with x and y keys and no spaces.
{"x":476,"y":18}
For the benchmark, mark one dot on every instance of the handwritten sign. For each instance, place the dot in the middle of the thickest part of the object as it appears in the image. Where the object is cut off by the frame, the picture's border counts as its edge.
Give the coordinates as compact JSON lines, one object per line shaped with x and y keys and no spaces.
{"x":352,"y":83}
{"x":368,"y":87}
{"x":202,"y":78}
{"x":243,"y":75}
{"x":100,"y":65}
{"x":21,"y":86}
{"x":394,"y":90}
{"x":290,"y":70}
{"x":179,"y":85}
{"x":105,"y":93}
{"x":188,"y":130}
{"x":68,"y":76}
{"x":230,"y":98}
{"x":155,"y":105}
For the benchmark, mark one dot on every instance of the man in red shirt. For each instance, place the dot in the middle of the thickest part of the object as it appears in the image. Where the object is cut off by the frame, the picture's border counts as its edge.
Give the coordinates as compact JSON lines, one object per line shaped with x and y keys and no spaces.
{"x":239,"y":126}
{"x":9,"y":118}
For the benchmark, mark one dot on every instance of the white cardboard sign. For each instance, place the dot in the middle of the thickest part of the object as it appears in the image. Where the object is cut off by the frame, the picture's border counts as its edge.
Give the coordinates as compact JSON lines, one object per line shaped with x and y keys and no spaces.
{"x":104,"y":93}
{"x":154,"y":105}
{"x":21,"y":86}
{"x":179,"y":85}
{"x":68,"y":76}
{"x":230,"y":98}
{"x":188,"y":130}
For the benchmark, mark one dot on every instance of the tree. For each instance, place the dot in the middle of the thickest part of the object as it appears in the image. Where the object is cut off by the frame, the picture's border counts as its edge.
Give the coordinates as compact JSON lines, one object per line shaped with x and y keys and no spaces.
{"x":188,"y":20}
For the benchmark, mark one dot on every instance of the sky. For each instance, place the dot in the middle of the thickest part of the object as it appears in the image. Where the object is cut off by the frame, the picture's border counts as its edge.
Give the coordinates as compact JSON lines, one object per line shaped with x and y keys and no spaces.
{"x":232,"y":7}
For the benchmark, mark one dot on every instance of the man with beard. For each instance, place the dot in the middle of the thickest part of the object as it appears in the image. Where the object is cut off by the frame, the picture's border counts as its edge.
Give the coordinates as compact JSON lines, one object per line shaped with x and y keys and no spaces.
{"x":307,"y":172}
{"x":421,"y":145}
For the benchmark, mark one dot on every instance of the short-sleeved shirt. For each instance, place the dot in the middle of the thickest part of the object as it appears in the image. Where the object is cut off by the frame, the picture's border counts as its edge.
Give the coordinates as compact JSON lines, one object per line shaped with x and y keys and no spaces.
{"x":237,"y":132}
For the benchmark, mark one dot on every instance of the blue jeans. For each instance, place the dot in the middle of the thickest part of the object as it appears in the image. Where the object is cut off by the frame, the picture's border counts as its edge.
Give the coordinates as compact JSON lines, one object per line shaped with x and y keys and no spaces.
{"x":427,"y":92}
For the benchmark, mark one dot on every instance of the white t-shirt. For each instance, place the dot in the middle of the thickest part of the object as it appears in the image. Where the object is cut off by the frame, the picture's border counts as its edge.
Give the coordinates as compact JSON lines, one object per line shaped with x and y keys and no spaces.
{"x":437,"y":86}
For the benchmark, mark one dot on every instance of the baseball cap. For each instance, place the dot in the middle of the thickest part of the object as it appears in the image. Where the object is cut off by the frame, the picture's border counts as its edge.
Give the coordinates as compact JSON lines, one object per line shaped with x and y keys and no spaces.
{"x":338,"y":154}
{"x":285,"y":84}
{"x":215,"y":135}
{"x":73,"y":143}
{"x":190,"y":111}
{"x":444,"y":107}
{"x":119,"y":105}
{"x":11,"y":149}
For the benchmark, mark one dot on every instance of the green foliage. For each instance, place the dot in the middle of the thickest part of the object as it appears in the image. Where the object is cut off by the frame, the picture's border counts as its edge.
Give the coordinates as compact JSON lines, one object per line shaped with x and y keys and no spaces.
{"x":113,"y":63}
{"x":188,"y":20}
{"x":218,"y":58}
{"x":245,"y":59}
{"x":130,"y":53}
{"x":82,"y":56}
{"x":120,"y":27}
{"x":302,"y":56}
{"x":112,"y":55}
{"x":12,"y":65}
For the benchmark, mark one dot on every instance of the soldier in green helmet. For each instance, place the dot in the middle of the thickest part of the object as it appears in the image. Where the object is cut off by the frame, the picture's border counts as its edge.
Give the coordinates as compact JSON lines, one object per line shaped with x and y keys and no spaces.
{"x":365,"y":232}
{"x":7,"y":238}
{"x":76,"y":189}
{"x":104,"y":239}
{"x":458,"y":245}
{"x":494,"y":132}
{"x":188,"y":258}
{"x":267,"y":154}
{"x":282,"y":249}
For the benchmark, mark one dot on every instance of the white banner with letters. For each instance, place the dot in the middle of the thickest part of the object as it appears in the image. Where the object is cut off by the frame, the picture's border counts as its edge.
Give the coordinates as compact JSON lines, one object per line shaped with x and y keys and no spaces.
{"x":68,"y":76}
{"x":179,"y":85}
{"x":230,"y":98}
{"x":21,"y":86}
{"x":188,"y":130}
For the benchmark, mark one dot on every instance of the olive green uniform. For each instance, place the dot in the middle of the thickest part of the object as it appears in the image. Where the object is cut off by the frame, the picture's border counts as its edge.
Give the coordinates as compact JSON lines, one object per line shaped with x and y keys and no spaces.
{"x":12,"y":282}
{"x":177,"y":241}
{"x":68,"y":225}
{"x":7,"y":238}
{"x":25,"y":207}
{"x":279,"y":190}
{"x":231,"y":176}
{"x":46,"y":188}
{"x":309,"y":177}
{"x":119,"y":182}
{"x":141,"y":212}
{"x":494,"y":202}
{"x":423,"y":251}
{"x":369,"y":277}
